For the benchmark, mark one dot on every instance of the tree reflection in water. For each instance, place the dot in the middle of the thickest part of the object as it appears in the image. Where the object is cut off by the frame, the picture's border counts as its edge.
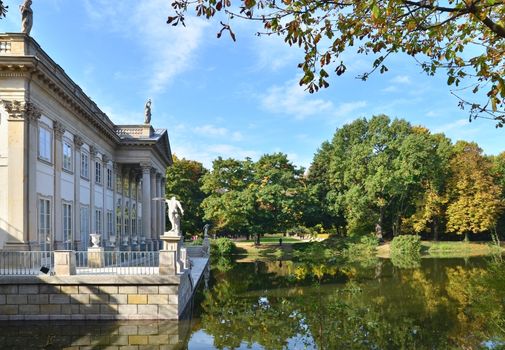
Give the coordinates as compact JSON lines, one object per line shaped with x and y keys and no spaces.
{"x":442,"y":304}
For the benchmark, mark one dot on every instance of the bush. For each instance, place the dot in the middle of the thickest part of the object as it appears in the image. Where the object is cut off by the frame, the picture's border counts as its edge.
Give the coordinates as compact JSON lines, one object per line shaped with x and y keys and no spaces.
{"x":222,"y":246}
{"x":405,"y":251}
{"x":198,"y":241}
{"x":406,"y":244}
{"x":300,"y":231}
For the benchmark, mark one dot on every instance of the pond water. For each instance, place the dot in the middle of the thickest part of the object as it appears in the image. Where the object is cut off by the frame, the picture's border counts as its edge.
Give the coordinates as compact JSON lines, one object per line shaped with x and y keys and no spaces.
{"x":439,"y":304}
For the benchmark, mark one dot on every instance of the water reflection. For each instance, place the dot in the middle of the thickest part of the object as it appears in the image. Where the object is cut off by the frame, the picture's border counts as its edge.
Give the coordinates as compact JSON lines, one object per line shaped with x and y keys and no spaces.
{"x":429,"y":304}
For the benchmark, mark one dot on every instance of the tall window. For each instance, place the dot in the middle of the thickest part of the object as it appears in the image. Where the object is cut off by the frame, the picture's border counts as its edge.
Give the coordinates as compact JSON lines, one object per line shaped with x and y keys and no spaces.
{"x":118,"y":217}
{"x":67,"y":225}
{"x":67,"y":156}
{"x":85,"y":225}
{"x":118,"y":183}
{"x":98,"y":172}
{"x":44,"y":229}
{"x":110,"y":224}
{"x":45,"y":143}
{"x":98,"y":220}
{"x":85,"y":165}
{"x":109,"y":178}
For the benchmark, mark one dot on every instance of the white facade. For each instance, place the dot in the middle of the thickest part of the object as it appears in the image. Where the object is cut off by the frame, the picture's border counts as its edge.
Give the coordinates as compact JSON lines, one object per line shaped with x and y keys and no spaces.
{"x":65,"y":169}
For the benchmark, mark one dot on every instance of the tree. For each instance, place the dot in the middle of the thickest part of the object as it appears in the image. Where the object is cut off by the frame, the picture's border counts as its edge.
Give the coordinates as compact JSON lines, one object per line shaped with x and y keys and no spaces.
{"x":3,"y":9}
{"x":183,"y":181}
{"x":467,"y":38}
{"x":475,"y":201}
{"x":230,"y":202}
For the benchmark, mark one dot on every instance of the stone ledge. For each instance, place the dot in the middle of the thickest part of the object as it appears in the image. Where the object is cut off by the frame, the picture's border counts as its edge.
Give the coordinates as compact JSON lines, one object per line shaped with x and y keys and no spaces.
{"x":144,"y":280}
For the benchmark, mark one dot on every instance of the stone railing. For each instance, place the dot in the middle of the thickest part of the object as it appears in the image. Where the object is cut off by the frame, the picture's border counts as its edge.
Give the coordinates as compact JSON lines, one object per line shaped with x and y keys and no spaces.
{"x":134,"y":131}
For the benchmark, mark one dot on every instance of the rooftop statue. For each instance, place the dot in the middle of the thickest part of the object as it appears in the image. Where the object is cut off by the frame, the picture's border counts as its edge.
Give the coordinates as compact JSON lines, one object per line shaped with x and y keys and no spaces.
{"x":147,"y":112}
{"x":26,"y":17}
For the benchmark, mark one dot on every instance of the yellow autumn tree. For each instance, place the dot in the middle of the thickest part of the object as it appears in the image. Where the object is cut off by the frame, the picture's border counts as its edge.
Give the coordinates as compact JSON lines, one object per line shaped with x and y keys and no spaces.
{"x":475,"y":199}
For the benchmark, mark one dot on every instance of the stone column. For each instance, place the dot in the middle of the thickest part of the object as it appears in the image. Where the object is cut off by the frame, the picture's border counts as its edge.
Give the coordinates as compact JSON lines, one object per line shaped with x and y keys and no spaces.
{"x":20,"y":202}
{"x":130,"y":206}
{"x":115,"y":169}
{"x":158,"y":205}
{"x":124,"y":236}
{"x":77,"y":190}
{"x":154,"y":229}
{"x":146,"y":201}
{"x":57,"y":240}
{"x":32,"y":114}
{"x":92,"y":160}
{"x":163,"y":211}
{"x":105,"y":231}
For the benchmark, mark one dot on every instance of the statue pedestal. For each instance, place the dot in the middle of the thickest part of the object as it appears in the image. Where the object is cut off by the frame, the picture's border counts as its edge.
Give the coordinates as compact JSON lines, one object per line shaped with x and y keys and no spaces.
{"x":95,"y":257}
{"x":170,"y":263}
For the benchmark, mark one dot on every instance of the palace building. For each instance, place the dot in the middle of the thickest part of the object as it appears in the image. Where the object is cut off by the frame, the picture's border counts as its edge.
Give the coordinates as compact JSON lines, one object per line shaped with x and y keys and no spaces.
{"x":66,"y":170}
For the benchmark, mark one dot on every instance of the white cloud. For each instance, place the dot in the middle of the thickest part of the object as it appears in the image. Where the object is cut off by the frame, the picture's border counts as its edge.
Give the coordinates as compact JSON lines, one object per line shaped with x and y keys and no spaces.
{"x":451,"y":126}
{"x":401,"y":79}
{"x":293,"y":100}
{"x":169,"y":50}
{"x":212,"y":131}
{"x":346,"y":108}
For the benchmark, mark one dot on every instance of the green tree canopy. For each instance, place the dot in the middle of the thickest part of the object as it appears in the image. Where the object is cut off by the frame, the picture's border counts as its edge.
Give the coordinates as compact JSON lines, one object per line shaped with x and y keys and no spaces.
{"x":475,"y":201}
{"x":183,"y":181}
{"x":467,"y":38}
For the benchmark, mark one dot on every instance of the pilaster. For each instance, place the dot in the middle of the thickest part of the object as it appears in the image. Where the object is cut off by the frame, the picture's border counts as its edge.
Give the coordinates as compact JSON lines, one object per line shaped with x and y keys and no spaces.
{"x":57,"y":241}
{"x":92,"y":159}
{"x":154,"y":229}
{"x":146,"y":201}
{"x":78,"y":142}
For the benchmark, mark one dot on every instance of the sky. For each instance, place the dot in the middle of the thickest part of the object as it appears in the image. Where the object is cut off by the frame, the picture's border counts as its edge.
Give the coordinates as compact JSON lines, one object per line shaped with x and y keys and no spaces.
{"x":222,"y":98}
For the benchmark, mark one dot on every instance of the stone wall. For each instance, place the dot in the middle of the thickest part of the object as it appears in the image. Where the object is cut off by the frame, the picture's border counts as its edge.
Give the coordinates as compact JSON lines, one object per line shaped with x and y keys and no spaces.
{"x":94,"y":297}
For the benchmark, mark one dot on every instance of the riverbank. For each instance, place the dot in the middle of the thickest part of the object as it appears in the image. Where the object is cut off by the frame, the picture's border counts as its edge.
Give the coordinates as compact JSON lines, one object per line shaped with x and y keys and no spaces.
{"x":446,"y":249}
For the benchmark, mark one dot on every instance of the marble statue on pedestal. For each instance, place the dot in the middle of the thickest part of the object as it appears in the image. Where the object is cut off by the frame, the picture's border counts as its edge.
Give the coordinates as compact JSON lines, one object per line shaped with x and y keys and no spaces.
{"x":26,"y":17}
{"x":147,"y":112}
{"x":174,"y":208}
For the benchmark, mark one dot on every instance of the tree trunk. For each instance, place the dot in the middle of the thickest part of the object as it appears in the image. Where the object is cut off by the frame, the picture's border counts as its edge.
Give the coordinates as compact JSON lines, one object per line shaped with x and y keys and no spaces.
{"x":257,"y":239}
{"x":466,"y":237}
{"x":434,"y":228}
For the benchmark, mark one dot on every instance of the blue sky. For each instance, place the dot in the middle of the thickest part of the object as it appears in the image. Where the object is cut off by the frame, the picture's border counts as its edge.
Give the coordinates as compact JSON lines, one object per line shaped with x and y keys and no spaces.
{"x":220,"y":98}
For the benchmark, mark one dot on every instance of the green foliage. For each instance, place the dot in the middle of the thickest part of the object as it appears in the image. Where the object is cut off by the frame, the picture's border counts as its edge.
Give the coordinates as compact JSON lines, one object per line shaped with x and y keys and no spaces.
{"x":183,"y":181}
{"x":405,"y":251}
{"x":3,"y":9}
{"x":365,"y":248}
{"x":406,"y":245}
{"x":475,"y":199}
{"x":222,"y":246}
{"x":246,"y":197}
{"x":466,"y":39}
{"x":300,"y":231}
{"x":198,"y":241}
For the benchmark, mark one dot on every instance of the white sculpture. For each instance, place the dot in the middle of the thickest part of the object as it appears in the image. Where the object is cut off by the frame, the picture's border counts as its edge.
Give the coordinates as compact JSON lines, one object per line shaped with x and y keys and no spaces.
{"x":26,"y":17}
{"x":147,"y":112}
{"x":174,"y":207}
{"x":95,"y":239}
{"x":206,"y":230}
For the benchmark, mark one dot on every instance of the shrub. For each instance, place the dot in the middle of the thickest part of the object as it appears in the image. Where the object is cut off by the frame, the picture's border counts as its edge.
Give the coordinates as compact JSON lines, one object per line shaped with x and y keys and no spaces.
{"x":405,"y":251}
{"x":222,"y":246}
{"x":406,"y":244}
{"x":300,"y":231}
{"x":198,"y":241}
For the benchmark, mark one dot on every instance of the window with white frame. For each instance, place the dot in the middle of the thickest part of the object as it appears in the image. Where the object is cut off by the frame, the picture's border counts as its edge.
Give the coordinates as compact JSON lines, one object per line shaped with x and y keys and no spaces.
{"x":45,"y":143}
{"x":98,"y":172}
{"x":110,"y":223}
{"x":44,"y":227}
{"x":118,"y":183}
{"x":98,"y":220}
{"x":134,"y":219}
{"x":109,"y":178}
{"x":85,"y":165}
{"x":67,"y":156}
{"x":67,"y":225}
{"x":85,"y":224}
{"x":118,"y":217}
